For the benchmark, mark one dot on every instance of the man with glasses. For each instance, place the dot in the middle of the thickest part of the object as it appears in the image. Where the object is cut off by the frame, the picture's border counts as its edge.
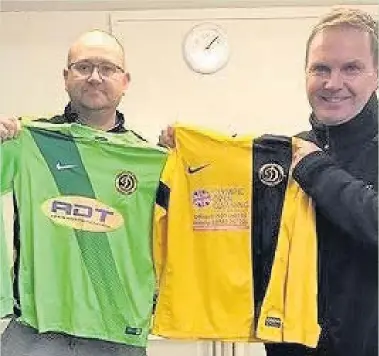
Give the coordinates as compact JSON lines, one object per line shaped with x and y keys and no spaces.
{"x":95,"y":80}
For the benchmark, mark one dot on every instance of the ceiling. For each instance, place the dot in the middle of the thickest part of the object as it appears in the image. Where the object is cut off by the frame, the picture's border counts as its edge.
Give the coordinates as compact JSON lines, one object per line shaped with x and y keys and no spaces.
{"x":113,"y":5}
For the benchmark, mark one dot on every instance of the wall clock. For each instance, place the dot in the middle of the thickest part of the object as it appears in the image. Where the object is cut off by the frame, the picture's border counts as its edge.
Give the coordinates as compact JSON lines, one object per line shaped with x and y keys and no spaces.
{"x":205,"y":48}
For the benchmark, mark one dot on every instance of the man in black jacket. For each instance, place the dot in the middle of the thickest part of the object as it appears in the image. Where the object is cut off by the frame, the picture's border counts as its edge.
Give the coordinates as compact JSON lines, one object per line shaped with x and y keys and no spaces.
{"x":339,"y":170}
{"x":337,"y":165}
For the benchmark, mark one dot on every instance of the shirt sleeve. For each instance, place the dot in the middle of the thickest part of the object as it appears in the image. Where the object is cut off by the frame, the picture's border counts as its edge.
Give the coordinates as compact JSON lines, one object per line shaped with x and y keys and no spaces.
{"x":9,"y":157}
{"x":161,"y":214}
{"x":347,"y":201}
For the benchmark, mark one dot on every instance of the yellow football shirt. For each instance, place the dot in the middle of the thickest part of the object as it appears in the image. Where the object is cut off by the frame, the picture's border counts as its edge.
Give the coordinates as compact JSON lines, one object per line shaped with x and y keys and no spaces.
{"x":235,"y":246}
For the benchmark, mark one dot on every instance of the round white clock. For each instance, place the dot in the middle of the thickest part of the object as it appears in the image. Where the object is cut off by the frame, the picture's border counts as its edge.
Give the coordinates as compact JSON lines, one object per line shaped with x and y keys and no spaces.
{"x":206,"y":48}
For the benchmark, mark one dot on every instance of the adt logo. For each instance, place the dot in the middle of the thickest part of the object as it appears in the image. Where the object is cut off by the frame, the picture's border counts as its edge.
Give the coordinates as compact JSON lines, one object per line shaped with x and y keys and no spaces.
{"x":82,"y":213}
{"x":81,"y":210}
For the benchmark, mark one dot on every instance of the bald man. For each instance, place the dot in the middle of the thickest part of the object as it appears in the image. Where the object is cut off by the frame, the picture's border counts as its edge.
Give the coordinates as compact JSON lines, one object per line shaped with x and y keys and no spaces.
{"x":95,"y":94}
{"x":95,"y":80}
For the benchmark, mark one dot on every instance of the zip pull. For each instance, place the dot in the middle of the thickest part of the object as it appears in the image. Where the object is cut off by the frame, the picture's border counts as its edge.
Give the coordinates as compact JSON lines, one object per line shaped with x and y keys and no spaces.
{"x":327,"y":145}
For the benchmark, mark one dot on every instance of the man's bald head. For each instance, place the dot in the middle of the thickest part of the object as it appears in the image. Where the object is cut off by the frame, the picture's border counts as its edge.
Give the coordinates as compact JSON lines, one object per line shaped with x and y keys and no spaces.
{"x":103,"y":87}
{"x":92,"y":42}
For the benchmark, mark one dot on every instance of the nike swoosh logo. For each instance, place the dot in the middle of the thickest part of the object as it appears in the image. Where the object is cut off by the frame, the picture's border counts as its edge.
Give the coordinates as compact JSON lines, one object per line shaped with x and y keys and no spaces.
{"x":197,"y":169}
{"x":61,"y":167}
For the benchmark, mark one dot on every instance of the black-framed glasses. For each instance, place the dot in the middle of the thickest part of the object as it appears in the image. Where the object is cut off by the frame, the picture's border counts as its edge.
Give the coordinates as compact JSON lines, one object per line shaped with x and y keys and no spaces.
{"x":86,"y":68}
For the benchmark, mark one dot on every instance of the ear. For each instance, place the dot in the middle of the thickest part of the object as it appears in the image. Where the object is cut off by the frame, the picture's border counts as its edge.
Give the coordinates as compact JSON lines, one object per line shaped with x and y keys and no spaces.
{"x":65,"y":76}
{"x":126,"y":80}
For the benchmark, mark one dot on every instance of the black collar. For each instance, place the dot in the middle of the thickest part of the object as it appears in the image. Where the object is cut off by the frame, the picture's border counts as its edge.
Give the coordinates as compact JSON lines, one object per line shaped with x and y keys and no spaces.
{"x":362,"y":128}
{"x":71,"y":116}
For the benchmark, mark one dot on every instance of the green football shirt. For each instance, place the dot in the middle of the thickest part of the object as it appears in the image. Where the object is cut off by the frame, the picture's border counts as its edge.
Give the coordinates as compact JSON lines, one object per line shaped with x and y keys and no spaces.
{"x":85,"y":202}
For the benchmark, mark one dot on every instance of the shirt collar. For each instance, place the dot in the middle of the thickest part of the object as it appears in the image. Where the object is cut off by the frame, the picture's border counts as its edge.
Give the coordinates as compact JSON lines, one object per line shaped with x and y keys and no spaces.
{"x":71,"y":116}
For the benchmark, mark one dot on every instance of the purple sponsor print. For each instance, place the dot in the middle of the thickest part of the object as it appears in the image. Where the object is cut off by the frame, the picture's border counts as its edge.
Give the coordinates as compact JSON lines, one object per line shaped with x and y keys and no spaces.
{"x":201,"y":198}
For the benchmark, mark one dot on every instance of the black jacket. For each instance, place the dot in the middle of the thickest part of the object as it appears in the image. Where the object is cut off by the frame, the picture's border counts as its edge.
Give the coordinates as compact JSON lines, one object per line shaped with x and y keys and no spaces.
{"x":71,"y":116}
{"x":343,"y":183}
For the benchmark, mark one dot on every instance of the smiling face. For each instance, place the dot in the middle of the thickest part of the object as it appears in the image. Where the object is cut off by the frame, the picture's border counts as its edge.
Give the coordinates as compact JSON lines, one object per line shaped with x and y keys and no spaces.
{"x":341,"y":73}
{"x":93,"y":91}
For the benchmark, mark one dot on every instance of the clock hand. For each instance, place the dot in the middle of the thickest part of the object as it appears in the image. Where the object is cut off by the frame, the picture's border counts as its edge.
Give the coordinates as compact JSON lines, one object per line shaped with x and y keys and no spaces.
{"x":210,"y":44}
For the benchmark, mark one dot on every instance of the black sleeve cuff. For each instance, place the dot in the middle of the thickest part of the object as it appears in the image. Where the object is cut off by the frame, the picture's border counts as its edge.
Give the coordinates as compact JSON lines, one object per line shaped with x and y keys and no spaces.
{"x":307,"y":169}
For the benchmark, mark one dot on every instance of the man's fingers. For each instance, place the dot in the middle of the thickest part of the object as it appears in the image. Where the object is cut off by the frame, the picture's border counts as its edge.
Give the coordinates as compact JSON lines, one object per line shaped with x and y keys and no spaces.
{"x":170,"y":131}
{"x":170,"y":136}
{"x":162,"y":139}
{"x":166,"y":138}
{"x":9,"y":128}
{"x":4,"y":133}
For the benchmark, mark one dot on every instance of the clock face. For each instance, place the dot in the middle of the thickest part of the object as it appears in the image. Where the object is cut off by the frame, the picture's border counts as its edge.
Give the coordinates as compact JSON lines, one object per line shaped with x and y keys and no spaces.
{"x":206,"y":48}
